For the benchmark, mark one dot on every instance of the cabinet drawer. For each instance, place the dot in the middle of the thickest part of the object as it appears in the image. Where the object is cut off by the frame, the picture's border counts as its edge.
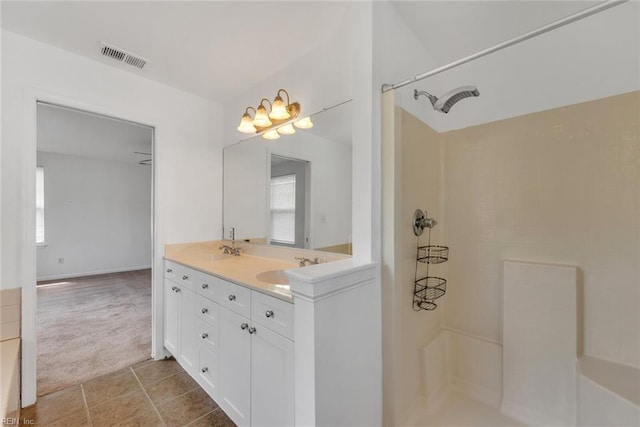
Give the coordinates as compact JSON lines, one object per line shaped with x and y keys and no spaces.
{"x":207,"y":310}
{"x":236,"y":298}
{"x":272,"y":313}
{"x":179,"y":274}
{"x":208,"y":335}
{"x":208,"y":286}
{"x":170,"y":269}
{"x":208,"y":372}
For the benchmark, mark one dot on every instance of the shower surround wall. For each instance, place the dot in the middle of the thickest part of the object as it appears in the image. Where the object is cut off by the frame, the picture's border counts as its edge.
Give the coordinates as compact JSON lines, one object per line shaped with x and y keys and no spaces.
{"x":559,"y":186}
{"x":414,"y":160}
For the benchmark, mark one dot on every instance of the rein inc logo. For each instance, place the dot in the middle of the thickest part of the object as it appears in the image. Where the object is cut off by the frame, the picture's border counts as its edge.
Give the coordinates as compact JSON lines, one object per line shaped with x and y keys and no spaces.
{"x":16,"y":421}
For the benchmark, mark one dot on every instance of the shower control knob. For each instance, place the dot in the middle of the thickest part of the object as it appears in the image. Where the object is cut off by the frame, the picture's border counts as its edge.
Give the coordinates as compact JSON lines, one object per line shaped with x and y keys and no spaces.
{"x":232,"y":297}
{"x":205,"y":336}
{"x":204,"y":369}
{"x":269,"y":313}
{"x":205,"y":286}
{"x":244,"y":326}
{"x":205,"y":310}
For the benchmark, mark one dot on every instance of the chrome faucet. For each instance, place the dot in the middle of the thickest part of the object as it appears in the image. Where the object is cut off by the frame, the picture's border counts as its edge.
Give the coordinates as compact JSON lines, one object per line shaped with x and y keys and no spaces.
{"x":306,"y":261}
{"x":230,"y":250}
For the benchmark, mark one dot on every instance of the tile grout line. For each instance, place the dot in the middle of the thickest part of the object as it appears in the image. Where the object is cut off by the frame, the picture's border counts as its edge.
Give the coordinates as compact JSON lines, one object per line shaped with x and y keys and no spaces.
{"x":201,"y":417}
{"x":86,"y":405}
{"x":153,"y":405}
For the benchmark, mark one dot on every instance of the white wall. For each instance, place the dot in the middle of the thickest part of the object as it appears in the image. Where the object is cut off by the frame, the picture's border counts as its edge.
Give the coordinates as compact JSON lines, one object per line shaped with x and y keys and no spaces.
{"x":187,"y":159}
{"x":97,"y":216}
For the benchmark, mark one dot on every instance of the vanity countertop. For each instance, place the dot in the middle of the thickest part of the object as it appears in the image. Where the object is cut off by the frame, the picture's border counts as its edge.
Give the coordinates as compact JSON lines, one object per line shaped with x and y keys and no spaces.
{"x":205,"y":257}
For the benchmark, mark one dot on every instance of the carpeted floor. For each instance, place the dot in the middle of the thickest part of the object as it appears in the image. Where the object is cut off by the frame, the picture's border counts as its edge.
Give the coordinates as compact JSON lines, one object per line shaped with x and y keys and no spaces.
{"x":91,"y":326}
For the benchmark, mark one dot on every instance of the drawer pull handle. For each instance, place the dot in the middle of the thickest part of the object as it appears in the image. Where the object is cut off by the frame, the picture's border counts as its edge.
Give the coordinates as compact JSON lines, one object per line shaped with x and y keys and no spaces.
{"x":204,"y":370}
{"x":205,"y":286}
{"x":169,"y":270}
{"x":175,"y":289}
{"x":232,"y":297}
{"x":178,"y":289}
{"x":252,"y":330}
{"x":185,"y":277}
{"x":269,"y":313}
{"x":205,"y":310}
{"x":205,"y":336}
{"x":244,"y":326}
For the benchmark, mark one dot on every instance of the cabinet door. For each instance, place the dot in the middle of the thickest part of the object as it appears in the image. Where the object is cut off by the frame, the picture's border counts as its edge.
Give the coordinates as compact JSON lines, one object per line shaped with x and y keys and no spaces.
{"x":272,"y":395}
{"x":171,"y":317}
{"x":235,"y":366}
{"x":188,"y":349}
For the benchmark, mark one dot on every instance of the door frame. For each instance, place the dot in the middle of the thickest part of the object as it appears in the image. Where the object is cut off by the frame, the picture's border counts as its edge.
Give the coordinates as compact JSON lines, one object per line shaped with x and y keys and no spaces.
{"x":27,"y":269}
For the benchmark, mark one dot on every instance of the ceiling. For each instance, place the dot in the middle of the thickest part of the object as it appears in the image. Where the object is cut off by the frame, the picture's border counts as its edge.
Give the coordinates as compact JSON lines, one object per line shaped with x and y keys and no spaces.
{"x":72,"y":132}
{"x":450,"y":30}
{"x":210,"y":48}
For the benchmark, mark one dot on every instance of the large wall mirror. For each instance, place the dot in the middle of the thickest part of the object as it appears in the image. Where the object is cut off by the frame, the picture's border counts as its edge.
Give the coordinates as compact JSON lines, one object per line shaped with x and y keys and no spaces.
{"x":293,"y":191}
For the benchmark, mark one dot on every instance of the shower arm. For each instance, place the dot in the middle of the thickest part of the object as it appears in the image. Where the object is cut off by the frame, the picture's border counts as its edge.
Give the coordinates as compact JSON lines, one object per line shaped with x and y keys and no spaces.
{"x":522,"y":37}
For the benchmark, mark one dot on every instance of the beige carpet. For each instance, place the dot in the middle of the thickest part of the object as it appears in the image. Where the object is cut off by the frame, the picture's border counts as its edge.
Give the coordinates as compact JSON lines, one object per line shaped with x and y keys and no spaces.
{"x":91,"y":326}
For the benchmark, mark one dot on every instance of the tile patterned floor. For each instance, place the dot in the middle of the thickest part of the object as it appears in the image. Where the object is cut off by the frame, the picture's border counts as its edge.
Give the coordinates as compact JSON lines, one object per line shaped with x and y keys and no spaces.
{"x":151,"y":393}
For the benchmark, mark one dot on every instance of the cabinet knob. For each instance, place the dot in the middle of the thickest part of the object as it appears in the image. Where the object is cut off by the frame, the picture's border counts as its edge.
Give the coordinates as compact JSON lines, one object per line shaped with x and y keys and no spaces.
{"x":269,"y":313}
{"x":205,"y":310}
{"x":169,"y":270}
{"x":185,"y":277}
{"x":252,"y":330}
{"x":204,"y":370}
{"x":244,"y":326}
{"x":205,"y":286}
{"x":232,"y":297}
{"x":175,"y":289}
{"x":205,"y":336}
{"x":178,"y":289}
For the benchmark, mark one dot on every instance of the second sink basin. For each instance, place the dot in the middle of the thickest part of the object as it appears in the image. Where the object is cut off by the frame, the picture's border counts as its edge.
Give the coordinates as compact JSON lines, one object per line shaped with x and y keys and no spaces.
{"x":276,"y":277}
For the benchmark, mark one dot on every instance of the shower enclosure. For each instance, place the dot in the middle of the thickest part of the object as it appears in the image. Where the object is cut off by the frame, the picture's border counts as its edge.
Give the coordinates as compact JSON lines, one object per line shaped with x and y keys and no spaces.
{"x":536,"y":170}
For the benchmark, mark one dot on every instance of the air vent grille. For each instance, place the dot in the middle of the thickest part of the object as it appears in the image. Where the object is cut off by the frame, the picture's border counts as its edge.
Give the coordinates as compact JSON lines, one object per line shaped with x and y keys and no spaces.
{"x":122,"y":55}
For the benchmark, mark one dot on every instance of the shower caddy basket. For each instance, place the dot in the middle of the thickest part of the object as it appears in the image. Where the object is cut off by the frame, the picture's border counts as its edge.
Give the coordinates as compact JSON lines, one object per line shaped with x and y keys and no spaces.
{"x":428,"y":288}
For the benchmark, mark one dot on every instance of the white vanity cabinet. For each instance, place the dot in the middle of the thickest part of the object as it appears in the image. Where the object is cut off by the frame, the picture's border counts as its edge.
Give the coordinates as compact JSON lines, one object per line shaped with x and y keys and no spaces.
{"x":256,"y":375}
{"x":180,"y":318}
{"x":236,"y":342}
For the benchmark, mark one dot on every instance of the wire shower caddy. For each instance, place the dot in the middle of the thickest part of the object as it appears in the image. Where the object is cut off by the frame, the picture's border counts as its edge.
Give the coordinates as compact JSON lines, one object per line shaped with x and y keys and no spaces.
{"x":427,"y":288}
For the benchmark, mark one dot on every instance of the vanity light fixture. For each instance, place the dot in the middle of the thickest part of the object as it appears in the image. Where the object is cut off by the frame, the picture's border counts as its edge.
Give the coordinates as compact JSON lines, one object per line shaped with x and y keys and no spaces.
{"x":274,"y":122}
{"x":246,"y":124}
{"x":286,"y":130}
{"x":271,"y":134}
{"x":304,"y":123}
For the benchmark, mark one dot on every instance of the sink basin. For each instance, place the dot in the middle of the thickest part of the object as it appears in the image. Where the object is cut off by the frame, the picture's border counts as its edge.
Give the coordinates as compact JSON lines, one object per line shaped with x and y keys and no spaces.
{"x":276,"y":277}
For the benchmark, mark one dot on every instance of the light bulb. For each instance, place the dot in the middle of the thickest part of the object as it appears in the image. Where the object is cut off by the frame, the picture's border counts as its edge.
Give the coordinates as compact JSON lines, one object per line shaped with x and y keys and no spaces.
{"x":279,"y":110}
{"x":303,"y":123}
{"x":261,"y":119}
{"x":245,"y":124}
{"x":272,"y":134}
{"x":286,"y":130}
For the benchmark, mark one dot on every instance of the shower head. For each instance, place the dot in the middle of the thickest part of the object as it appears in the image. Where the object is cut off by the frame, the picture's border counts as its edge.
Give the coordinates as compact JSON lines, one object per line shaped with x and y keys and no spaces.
{"x":446,"y":101}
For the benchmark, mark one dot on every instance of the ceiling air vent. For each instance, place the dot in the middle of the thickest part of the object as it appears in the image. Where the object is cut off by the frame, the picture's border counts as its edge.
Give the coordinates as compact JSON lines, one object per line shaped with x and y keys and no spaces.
{"x":121,"y":55}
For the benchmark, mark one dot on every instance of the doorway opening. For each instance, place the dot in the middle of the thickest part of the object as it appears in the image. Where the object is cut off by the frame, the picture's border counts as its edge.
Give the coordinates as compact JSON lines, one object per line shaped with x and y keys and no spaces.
{"x":94,"y":237}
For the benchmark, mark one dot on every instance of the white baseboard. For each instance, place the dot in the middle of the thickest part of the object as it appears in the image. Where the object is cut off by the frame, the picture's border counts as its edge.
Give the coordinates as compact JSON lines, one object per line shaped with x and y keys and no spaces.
{"x":528,"y":416}
{"x":93,"y":273}
{"x":477,"y":392}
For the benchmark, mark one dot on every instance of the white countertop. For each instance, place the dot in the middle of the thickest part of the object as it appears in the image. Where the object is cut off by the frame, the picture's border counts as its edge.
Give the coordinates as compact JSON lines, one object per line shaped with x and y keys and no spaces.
{"x":238,"y":269}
